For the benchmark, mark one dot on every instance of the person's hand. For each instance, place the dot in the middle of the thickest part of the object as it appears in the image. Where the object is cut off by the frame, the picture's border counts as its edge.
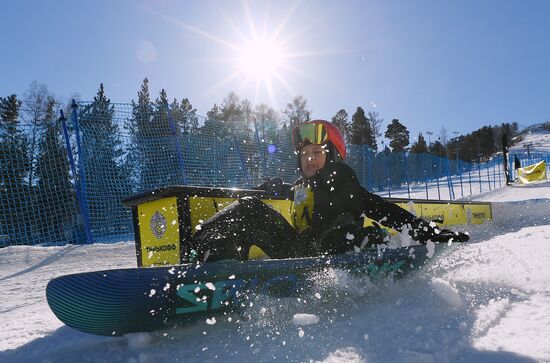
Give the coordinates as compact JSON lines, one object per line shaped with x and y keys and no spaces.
{"x":423,"y":231}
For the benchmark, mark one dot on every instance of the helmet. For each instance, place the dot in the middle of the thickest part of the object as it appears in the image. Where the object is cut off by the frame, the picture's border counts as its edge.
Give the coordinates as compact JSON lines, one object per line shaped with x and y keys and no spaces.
{"x":320,"y":132}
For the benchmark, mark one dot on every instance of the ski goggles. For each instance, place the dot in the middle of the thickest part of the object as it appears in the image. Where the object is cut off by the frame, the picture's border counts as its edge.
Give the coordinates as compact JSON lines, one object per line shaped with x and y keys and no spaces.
{"x":311,"y":133}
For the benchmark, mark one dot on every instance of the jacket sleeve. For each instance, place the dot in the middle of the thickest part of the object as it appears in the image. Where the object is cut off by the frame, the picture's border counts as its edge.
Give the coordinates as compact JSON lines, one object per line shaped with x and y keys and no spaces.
{"x":342,"y":190}
{"x":386,"y":213}
{"x":350,"y":197}
{"x":277,"y":187}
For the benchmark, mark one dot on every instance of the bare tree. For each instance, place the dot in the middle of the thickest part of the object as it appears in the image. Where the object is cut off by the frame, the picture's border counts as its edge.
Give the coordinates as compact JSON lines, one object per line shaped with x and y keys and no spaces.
{"x":375,"y":124}
{"x":444,"y":136}
{"x":297,"y":111}
{"x":267,"y":121}
{"x":34,"y":110}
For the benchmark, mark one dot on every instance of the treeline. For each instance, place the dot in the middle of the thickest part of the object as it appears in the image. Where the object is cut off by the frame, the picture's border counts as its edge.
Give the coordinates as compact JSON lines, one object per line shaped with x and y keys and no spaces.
{"x":121,"y":155}
{"x":35,"y":189}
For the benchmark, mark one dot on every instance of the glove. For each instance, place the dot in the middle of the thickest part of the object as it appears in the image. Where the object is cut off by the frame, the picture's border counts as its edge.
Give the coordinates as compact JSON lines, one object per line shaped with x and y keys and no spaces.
{"x":423,"y":231}
{"x":447,"y":235}
{"x":275,"y":186}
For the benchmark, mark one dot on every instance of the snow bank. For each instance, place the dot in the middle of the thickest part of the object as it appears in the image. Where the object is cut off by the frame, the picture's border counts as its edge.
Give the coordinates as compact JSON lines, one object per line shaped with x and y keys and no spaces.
{"x":484,"y":301}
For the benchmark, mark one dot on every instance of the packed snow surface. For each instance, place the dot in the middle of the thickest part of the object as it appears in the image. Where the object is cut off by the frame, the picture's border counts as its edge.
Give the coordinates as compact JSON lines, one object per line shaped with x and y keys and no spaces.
{"x":485,"y":301}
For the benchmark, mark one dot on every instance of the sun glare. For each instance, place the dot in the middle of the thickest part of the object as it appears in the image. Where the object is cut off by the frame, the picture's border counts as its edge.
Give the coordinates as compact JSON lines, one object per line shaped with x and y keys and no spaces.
{"x":261,"y":59}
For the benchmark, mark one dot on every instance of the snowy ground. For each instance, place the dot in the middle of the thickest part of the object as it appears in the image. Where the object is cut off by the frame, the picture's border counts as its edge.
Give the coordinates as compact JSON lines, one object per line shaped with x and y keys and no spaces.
{"x":487,"y":301}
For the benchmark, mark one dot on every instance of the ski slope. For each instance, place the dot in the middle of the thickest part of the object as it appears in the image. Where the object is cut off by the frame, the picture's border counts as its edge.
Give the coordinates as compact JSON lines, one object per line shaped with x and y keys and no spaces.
{"x":536,"y":137}
{"x":486,"y":301}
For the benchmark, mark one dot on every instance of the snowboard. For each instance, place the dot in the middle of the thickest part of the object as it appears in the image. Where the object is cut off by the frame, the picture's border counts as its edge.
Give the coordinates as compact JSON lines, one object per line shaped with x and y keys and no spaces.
{"x":121,"y":301}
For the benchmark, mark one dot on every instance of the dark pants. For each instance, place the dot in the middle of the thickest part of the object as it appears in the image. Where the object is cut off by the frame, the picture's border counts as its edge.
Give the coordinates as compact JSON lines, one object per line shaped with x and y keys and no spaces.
{"x":231,"y":232}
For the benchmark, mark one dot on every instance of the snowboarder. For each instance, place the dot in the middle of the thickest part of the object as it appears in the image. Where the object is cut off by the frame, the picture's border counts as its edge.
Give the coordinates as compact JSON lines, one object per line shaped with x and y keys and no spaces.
{"x":517,"y":163}
{"x":327,"y":213}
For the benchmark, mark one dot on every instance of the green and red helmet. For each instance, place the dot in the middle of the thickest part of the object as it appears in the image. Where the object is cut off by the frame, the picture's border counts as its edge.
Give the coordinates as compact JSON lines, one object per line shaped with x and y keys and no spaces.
{"x":320,"y":132}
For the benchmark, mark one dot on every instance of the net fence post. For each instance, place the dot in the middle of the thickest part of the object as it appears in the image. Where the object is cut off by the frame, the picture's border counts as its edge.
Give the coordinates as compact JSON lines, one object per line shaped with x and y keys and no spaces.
{"x":243,"y":162}
{"x":425,"y":176}
{"x":498,"y":173}
{"x":459,"y":171}
{"x":175,"y":135}
{"x":487,"y":164}
{"x":470,"y":176}
{"x":386,"y":173}
{"x":261,"y":153}
{"x":405,"y":163}
{"x":479,"y":173}
{"x":449,"y":180}
{"x":437,"y":174}
{"x":80,"y":176}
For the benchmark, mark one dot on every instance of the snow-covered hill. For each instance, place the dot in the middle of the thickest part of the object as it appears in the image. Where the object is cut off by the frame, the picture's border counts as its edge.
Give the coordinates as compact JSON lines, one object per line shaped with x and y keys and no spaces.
{"x":536,"y":136}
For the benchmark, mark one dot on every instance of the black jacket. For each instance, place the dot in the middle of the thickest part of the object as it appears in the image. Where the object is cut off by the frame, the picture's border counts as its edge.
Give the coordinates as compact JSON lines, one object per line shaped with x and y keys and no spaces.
{"x":331,"y":210}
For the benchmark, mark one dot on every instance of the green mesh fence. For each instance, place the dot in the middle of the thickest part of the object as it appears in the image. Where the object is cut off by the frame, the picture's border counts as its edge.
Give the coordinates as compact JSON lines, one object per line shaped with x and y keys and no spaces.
{"x":65,"y":184}
{"x":37,"y":199}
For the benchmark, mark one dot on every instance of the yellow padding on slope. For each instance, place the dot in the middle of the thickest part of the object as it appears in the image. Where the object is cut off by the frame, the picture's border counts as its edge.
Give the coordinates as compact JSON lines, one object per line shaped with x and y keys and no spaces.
{"x":532,"y":173}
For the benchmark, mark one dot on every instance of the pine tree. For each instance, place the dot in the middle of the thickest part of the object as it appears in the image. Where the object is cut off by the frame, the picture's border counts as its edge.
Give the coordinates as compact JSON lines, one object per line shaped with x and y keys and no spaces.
{"x":375,"y":123}
{"x":160,"y":120}
{"x":360,"y":132}
{"x":231,"y":118}
{"x":189,"y":114}
{"x":103,"y":156}
{"x":55,"y":199}
{"x":420,"y":146}
{"x":214,"y":124}
{"x":14,"y":167}
{"x":214,"y":113}
{"x":341,"y":120}
{"x":141,"y":159}
{"x":438,"y":149}
{"x":398,"y":135}
{"x":165,"y":168}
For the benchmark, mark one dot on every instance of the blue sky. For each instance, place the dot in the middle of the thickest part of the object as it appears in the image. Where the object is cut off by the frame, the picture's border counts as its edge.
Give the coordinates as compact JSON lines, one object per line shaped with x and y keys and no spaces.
{"x":432,"y":64}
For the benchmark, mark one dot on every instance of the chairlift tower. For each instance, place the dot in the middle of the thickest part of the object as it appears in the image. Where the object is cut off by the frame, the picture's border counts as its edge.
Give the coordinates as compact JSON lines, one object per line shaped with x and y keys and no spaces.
{"x":528,"y":149}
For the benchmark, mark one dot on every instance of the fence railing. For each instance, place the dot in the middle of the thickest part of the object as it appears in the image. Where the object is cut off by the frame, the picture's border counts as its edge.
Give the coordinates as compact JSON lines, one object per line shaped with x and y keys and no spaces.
{"x":63,"y":181}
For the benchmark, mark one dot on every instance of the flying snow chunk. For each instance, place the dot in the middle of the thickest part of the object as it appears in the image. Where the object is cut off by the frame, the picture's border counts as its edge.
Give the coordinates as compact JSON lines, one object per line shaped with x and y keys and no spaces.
{"x":430,"y":246}
{"x":305,"y":319}
{"x":447,"y":292}
{"x":210,"y":286}
{"x":152,"y":292}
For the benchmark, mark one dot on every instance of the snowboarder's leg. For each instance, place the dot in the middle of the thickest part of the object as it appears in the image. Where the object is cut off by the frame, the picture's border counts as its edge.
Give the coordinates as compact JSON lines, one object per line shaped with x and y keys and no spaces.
{"x":246,"y":222}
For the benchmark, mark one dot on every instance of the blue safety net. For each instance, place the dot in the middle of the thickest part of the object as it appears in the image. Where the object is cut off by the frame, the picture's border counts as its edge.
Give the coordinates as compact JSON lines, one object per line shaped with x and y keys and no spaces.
{"x":63,"y":179}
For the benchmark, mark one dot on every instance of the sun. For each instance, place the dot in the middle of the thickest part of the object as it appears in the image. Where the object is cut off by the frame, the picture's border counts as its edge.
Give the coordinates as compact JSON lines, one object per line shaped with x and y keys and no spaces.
{"x":261,"y":59}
